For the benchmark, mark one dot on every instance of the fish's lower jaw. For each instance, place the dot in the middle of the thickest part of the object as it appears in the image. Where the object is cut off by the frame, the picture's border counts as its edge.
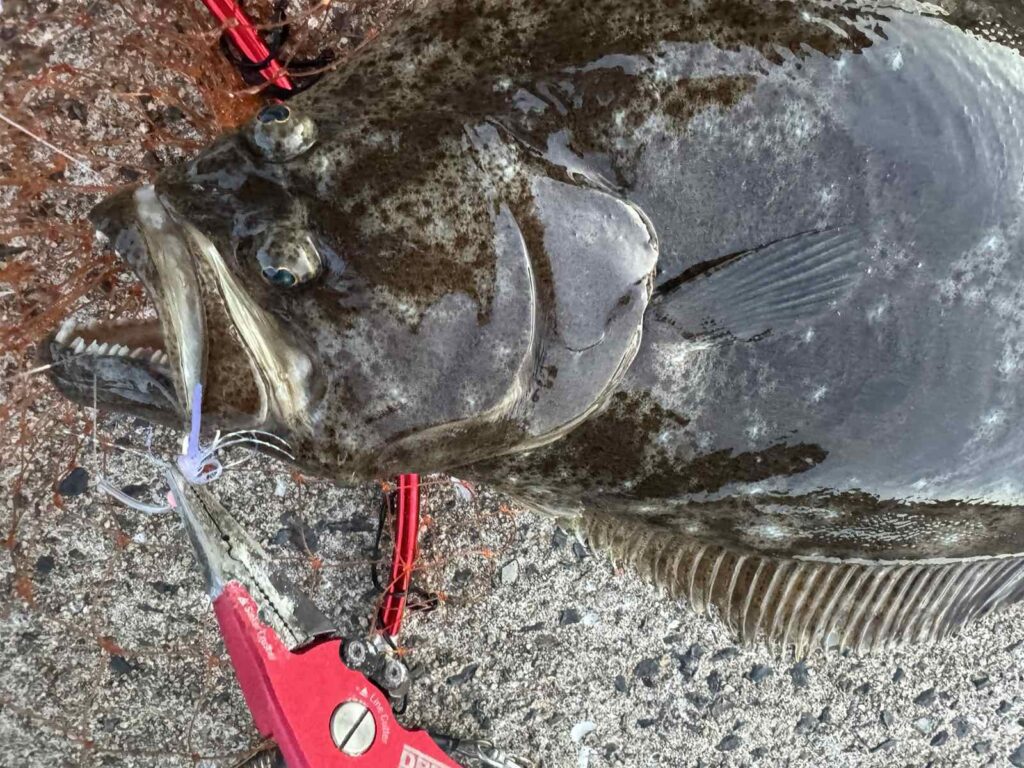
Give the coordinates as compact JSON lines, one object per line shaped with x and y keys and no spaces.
{"x":121,"y":364}
{"x":802,"y":605}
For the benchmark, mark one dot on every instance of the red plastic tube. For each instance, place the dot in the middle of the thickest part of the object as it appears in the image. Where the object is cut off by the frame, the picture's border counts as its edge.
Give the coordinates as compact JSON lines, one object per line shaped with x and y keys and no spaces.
{"x":239,"y":27}
{"x":407,"y":527}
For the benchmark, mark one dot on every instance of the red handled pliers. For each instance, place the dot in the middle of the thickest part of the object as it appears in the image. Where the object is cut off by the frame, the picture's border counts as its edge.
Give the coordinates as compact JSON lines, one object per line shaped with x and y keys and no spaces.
{"x":288,"y":657}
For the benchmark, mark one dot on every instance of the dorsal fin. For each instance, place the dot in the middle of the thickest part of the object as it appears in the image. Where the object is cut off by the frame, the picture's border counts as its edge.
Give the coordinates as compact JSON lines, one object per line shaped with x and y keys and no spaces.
{"x":802,"y":604}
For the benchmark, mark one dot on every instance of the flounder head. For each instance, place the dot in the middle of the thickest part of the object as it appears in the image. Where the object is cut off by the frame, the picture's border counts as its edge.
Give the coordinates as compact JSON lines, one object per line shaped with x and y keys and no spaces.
{"x":223,"y":248}
{"x":384,"y":299}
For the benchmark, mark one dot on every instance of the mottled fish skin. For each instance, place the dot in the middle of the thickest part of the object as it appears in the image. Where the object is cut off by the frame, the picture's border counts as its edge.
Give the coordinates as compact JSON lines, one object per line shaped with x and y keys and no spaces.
{"x":740,"y":280}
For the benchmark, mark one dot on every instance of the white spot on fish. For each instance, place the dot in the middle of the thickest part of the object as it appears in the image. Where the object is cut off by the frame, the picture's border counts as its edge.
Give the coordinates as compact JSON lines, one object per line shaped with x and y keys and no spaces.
{"x":896,"y":60}
{"x":757,"y":427}
{"x":769,"y":532}
{"x":876,"y":313}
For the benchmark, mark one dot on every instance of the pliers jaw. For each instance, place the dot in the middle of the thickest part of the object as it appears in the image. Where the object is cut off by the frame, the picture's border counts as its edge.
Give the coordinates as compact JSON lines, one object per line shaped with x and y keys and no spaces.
{"x":226,"y":553}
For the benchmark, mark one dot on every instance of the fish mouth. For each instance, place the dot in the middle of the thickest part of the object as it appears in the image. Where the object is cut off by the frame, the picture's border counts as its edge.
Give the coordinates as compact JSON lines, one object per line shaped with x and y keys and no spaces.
{"x":121,"y":364}
{"x":254,"y":370}
{"x":146,"y":367}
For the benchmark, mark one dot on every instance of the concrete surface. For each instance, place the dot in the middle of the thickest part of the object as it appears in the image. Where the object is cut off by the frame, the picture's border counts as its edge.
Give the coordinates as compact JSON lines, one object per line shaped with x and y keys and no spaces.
{"x":115,"y":660}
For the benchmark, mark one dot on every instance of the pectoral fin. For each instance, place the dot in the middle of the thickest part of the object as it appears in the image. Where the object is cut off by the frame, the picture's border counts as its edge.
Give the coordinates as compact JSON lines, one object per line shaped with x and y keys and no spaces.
{"x":771,"y":289}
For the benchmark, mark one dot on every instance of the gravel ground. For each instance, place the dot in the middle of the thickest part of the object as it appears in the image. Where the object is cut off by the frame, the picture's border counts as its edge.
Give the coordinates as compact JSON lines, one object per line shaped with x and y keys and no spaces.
{"x":538,"y":643}
{"x":109,"y":655}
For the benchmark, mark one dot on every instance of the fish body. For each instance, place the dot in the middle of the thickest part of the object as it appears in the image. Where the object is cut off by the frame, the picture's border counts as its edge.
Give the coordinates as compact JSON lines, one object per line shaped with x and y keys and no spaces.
{"x":735,"y":285}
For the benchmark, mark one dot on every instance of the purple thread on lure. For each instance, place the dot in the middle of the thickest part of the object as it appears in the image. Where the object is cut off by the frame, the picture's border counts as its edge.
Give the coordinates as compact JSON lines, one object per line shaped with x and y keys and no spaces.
{"x":198,"y":466}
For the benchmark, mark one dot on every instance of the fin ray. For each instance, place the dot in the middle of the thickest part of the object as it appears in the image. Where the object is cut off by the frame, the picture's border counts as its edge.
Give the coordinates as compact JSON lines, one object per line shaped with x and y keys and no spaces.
{"x":770,"y":288}
{"x":803,"y":604}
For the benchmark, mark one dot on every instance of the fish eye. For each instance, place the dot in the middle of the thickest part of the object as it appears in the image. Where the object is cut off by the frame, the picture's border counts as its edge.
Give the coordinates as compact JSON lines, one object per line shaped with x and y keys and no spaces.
{"x":280,"y":133}
{"x":282,"y":278}
{"x":288,"y":259}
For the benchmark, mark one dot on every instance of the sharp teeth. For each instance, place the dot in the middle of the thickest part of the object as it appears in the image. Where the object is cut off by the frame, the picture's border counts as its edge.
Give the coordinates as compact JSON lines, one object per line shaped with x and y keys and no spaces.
{"x":77,"y":346}
{"x":91,"y":349}
{"x":65,"y":331}
{"x":135,"y":354}
{"x":119,"y":350}
{"x":155,"y":358}
{"x":103,"y":348}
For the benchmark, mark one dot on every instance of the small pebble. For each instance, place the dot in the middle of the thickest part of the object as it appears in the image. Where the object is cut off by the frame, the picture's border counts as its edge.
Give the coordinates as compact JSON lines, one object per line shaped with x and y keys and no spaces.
{"x":1003,"y":708}
{"x":463,"y":677}
{"x":862,"y":689}
{"x":647,"y":670}
{"x":981,"y":747}
{"x":806,"y":724}
{"x":726,"y":653}
{"x":826,"y":715}
{"x":136,"y":490}
{"x":581,"y":730}
{"x":580,"y":550}
{"x":119,"y":665}
{"x":1016,"y":757}
{"x":690,"y":660}
{"x":715,"y":683}
{"x":926,"y":698}
{"x":510,"y":572}
{"x":798,"y":673}
{"x":729,"y":743}
{"x":128,"y":174}
{"x":620,"y":684}
{"x":280,"y":487}
{"x":759,"y":672}
{"x":924,"y":725}
{"x":74,"y":483}
{"x":940,"y":738}
{"x":898,"y":675}
{"x":173,"y":114}
{"x":721,"y":706}
{"x":884,"y":745}
{"x":961,"y":727}
{"x":979,"y":682}
{"x":44,"y":565}
{"x":886,"y":718}
{"x":569,"y":616}
{"x":76,"y":111}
